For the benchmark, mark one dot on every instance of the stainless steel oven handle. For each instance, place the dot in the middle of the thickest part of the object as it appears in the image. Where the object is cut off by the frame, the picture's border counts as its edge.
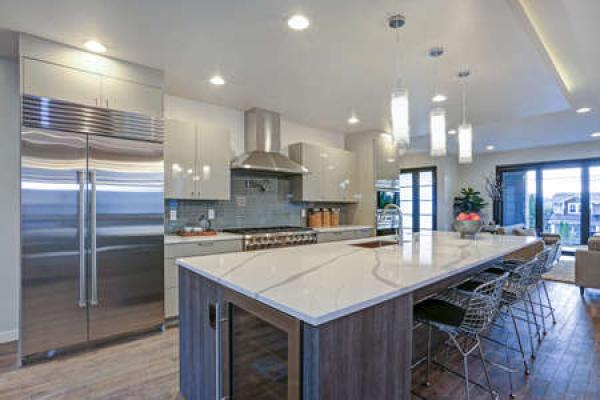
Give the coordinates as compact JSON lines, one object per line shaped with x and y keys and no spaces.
{"x":82,"y":278}
{"x":94,"y":271}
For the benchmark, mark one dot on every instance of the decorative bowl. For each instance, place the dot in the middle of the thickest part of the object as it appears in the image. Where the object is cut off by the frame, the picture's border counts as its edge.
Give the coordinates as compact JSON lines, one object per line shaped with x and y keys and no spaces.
{"x":467,"y":228}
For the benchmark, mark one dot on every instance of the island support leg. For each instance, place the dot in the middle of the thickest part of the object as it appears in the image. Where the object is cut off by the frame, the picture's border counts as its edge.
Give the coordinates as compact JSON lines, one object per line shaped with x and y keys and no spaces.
{"x":366,"y":355}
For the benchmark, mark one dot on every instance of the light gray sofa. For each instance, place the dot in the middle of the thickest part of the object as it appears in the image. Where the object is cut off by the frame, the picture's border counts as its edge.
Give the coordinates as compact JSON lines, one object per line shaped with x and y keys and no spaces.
{"x":587,"y":266}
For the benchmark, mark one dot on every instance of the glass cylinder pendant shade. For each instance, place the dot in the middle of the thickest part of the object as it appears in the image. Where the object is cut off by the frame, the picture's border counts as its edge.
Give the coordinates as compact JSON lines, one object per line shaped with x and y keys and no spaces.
{"x":400,"y":117}
{"x":437,"y":121}
{"x":465,"y":144}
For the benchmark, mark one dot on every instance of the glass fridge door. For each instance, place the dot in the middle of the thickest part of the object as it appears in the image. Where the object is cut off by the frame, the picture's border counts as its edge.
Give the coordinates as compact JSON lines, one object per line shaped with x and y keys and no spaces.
{"x":261,"y":352}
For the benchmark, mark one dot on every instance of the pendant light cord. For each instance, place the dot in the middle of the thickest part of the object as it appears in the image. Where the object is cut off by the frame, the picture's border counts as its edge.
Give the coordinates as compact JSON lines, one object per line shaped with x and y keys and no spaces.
{"x":464,"y":101}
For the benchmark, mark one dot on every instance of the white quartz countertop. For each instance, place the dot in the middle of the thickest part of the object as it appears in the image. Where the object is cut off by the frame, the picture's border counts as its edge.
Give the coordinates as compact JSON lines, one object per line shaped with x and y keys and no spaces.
{"x":342,"y":228}
{"x":176,"y":239}
{"x":322,"y":282}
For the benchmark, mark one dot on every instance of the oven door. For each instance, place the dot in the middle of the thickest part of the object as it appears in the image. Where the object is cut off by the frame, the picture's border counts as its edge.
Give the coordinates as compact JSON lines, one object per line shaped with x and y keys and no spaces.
{"x":261,"y":351}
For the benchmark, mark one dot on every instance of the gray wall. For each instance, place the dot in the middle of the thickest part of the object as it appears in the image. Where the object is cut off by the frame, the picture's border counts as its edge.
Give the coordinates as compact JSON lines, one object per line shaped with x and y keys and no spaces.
{"x":249,"y":205}
{"x":9,"y":199}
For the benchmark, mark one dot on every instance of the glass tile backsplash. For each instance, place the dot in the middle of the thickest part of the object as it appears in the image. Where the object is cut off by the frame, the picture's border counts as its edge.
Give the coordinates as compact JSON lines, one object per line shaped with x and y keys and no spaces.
{"x":256,"y":201}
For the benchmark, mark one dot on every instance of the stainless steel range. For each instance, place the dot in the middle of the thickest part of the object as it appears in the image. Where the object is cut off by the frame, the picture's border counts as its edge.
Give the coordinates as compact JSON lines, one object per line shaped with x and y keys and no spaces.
{"x":277,"y":236}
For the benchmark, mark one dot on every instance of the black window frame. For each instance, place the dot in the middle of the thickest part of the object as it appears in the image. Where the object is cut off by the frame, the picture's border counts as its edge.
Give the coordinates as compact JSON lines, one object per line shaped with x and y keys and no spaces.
{"x":584,"y":163}
{"x":416,"y":200}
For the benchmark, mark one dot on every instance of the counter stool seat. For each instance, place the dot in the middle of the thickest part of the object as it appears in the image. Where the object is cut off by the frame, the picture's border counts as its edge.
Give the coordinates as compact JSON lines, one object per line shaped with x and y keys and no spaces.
{"x":439,"y":312}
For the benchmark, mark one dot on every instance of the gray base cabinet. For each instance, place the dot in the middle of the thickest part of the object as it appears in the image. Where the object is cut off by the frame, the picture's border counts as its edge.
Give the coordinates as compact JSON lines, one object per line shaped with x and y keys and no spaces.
{"x":234,"y":347}
{"x":324,"y":237}
{"x":179,"y":250}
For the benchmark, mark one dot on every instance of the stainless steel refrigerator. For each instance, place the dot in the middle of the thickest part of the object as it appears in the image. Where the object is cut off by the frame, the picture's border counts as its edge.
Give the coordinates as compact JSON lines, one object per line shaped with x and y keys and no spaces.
{"x":91,"y":225}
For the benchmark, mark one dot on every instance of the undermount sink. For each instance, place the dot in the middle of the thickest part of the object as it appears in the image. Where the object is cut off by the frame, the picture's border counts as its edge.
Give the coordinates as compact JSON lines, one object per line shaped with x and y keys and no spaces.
{"x":374,"y":244}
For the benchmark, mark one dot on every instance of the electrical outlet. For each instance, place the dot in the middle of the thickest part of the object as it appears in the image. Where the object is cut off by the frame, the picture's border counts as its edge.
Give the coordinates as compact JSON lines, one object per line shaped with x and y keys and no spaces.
{"x":211,"y":213}
{"x":173,"y":215}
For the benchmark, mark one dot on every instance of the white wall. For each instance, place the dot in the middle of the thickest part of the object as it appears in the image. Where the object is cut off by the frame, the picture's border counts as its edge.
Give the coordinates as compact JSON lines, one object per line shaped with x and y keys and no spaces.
{"x":9,"y":201}
{"x":484,"y":164}
{"x":225,"y":117}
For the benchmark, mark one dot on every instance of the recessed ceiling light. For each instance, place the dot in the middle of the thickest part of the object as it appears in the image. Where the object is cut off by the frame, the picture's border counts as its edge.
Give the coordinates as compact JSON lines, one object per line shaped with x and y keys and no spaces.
{"x":452,"y":132}
{"x":298,"y":22}
{"x":583,"y":110}
{"x":95,"y":46}
{"x":439,"y":98}
{"x":489,"y":147}
{"x":353,"y":120}
{"x":595,"y":134}
{"x":217,"y":80}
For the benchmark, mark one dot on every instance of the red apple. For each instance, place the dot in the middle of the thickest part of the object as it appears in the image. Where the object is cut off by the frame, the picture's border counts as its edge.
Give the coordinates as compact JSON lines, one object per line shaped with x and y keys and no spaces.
{"x":462,"y":217}
{"x":474,"y":217}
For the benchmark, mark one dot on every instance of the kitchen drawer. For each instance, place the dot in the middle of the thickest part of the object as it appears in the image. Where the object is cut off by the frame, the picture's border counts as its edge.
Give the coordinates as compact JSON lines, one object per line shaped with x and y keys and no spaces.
{"x":202,"y":248}
{"x":171,"y":274}
{"x":363,"y":233}
{"x":171,"y":303}
{"x":323,"y":237}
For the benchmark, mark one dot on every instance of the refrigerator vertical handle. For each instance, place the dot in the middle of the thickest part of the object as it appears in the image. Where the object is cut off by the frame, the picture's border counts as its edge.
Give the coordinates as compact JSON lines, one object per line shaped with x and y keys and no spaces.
{"x":82,"y":277}
{"x":94,"y":272}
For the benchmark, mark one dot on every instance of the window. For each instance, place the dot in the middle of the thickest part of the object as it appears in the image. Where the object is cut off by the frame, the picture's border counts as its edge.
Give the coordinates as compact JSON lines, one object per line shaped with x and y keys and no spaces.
{"x":561,"y":197}
{"x":418,"y":199}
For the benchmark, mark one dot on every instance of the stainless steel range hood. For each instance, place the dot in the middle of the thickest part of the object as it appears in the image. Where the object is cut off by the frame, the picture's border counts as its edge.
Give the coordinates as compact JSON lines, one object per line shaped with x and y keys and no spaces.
{"x":262,"y":135}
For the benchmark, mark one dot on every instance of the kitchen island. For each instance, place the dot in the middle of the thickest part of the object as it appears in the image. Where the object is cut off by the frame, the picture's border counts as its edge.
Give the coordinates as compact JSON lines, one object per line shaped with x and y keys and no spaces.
{"x":326,"y":321}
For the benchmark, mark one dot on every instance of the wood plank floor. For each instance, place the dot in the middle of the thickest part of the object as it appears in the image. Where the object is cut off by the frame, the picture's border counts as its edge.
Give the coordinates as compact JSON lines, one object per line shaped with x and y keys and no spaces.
{"x":567,"y":366}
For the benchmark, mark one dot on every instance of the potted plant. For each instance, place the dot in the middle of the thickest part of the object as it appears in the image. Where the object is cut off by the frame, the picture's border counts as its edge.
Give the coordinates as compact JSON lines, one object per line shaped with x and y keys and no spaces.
{"x":467,"y":207}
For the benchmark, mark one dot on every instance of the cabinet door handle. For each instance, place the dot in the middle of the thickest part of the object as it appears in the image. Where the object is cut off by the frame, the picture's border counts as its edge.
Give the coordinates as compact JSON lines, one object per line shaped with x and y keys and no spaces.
{"x":106,"y":102}
{"x":206,"y":244}
{"x":96,"y":101}
{"x":218,"y":351}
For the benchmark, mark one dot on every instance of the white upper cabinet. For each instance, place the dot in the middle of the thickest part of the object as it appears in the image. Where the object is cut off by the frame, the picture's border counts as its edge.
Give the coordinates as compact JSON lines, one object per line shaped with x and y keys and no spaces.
{"x":213,"y":163}
{"x":180,"y":159}
{"x":61,"y":83}
{"x":121,"y":95}
{"x":332,"y":173}
{"x":197,"y":162}
{"x":64,"y":83}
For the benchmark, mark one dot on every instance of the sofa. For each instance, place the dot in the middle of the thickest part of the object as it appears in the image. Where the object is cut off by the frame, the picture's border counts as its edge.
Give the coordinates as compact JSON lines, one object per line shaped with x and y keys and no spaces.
{"x":529,"y":252}
{"x":587,"y":265}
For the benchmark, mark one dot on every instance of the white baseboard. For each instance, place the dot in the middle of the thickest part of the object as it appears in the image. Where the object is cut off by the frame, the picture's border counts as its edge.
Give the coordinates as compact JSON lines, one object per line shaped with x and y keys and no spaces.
{"x":9,"y":336}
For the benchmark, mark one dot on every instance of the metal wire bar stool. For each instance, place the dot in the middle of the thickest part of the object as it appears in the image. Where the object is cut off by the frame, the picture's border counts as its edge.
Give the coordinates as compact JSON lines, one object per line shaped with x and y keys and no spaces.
{"x":513,"y":293}
{"x":463,"y":316}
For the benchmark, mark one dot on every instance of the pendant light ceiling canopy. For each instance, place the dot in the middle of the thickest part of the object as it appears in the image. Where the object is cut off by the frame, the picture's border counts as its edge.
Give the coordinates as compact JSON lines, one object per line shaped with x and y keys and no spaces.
{"x":465,"y":130}
{"x":399,"y":103}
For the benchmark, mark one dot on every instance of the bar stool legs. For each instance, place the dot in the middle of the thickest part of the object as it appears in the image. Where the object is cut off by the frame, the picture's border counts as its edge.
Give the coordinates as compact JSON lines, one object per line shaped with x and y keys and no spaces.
{"x":549,"y":302}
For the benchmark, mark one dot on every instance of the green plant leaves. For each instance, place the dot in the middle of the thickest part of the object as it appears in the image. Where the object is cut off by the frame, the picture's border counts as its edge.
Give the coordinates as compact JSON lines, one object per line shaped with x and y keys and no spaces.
{"x":469,"y":200}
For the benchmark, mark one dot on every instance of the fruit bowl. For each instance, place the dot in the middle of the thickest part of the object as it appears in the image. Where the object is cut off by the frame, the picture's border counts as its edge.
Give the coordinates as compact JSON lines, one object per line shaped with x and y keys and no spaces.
{"x":467,"y":224}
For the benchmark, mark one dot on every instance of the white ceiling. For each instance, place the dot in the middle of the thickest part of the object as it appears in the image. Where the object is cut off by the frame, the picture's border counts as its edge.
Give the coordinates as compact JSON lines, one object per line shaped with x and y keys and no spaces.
{"x":531,"y":60}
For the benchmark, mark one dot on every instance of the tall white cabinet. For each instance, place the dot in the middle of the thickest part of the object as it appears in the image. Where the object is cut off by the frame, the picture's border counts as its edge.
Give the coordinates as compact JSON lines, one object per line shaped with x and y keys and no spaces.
{"x":332,"y":174}
{"x":197,"y":161}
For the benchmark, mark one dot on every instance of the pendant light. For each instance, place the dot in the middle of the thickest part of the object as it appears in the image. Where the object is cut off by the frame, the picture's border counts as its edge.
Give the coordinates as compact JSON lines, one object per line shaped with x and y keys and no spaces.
{"x":437,"y":116}
{"x":465,"y":130}
{"x":437,"y":125}
{"x":399,"y":104}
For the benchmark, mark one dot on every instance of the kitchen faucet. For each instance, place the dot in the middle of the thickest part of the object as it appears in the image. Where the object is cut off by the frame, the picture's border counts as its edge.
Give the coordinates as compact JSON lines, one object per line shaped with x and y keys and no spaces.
{"x":399,"y":231}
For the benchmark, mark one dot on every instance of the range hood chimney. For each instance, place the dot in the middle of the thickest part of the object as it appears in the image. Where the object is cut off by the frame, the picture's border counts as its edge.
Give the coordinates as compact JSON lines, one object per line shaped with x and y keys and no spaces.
{"x":262,"y":143}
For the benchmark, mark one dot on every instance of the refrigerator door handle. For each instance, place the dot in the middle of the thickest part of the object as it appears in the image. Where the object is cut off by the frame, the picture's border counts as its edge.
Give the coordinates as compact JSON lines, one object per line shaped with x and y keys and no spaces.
{"x":82,"y":277}
{"x":94,"y":272}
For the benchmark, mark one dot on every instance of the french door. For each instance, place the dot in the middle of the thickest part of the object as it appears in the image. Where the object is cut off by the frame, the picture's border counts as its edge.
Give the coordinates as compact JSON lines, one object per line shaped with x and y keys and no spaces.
{"x":418,"y":199}
{"x":556,"y":197}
